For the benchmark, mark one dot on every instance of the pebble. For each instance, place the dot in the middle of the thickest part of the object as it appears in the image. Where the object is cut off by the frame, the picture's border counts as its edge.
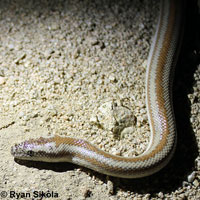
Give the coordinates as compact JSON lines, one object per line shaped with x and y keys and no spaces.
{"x":191,"y":177}
{"x":112,"y":78}
{"x":2,"y":80}
{"x":160,"y":195}
{"x":21,"y":114}
{"x":196,"y":183}
{"x":115,"y":117}
{"x":21,"y":57}
{"x":2,"y":73}
{"x":93,"y":41}
{"x":110,"y":187}
{"x":94,"y":119}
{"x":197,"y":163}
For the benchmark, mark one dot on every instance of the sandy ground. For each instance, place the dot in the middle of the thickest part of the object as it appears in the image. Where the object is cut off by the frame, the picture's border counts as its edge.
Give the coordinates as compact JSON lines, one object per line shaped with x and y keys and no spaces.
{"x":60,"y":61}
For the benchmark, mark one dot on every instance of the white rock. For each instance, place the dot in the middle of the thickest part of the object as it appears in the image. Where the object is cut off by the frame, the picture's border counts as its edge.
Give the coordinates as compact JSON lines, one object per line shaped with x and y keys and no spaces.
{"x":2,"y":80}
{"x":191,"y":177}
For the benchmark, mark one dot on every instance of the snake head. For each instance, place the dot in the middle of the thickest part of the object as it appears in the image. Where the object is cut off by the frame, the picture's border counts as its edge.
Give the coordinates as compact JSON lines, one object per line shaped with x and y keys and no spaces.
{"x":41,"y":149}
{"x":33,"y":149}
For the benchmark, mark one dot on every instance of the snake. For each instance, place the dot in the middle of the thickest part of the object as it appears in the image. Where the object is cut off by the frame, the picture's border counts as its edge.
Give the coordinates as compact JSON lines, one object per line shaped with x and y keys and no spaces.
{"x":161,"y":63}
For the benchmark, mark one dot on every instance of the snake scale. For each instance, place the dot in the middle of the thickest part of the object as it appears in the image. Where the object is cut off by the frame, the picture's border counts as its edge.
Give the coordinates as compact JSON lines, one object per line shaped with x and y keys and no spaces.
{"x":159,"y":77}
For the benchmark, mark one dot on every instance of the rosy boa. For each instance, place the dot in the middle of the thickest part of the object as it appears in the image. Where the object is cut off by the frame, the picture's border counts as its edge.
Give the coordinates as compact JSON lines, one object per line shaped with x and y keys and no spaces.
{"x":159,"y":77}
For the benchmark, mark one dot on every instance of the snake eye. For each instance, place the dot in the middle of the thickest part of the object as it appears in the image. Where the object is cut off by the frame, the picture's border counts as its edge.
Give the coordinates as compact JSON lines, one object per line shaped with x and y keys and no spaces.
{"x":30,"y":153}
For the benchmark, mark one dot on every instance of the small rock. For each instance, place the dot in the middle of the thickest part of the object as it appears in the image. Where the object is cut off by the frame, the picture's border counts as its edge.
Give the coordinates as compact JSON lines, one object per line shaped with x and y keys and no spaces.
{"x":94,"y":120}
{"x":191,"y":177}
{"x":21,"y":57}
{"x":115,"y":118}
{"x":21,"y":114}
{"x":93,"y":41}
{"x":196,"y":183}
{"x":110,"y":187}
{"x":76,"y":53}
{"x":197,"y":163}
{"x":127,"y":131}
{"x":2,"y":80}
{"x":160,"y":194}
{"x":112,"y":78}
{"x":2,"y":72}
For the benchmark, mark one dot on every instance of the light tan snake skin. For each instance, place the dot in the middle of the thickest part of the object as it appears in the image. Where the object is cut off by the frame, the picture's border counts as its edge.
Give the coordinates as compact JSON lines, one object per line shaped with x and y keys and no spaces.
{"x":161,"y":61}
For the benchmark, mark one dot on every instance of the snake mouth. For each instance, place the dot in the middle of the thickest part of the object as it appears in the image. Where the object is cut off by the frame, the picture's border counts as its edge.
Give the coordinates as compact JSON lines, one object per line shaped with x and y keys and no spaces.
{"x":17,"y":151}
{"x":14,"y":151}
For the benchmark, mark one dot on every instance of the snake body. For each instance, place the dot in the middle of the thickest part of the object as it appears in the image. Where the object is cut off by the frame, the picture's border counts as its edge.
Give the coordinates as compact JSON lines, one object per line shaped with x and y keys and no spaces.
{"x":161,"y":61}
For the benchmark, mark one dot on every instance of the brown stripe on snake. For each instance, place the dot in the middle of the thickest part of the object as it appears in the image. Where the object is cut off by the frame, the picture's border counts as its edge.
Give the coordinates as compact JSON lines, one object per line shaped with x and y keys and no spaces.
{"x":162,"y":57}
{"x":159,"y":79}
{"x":86,"y":145}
